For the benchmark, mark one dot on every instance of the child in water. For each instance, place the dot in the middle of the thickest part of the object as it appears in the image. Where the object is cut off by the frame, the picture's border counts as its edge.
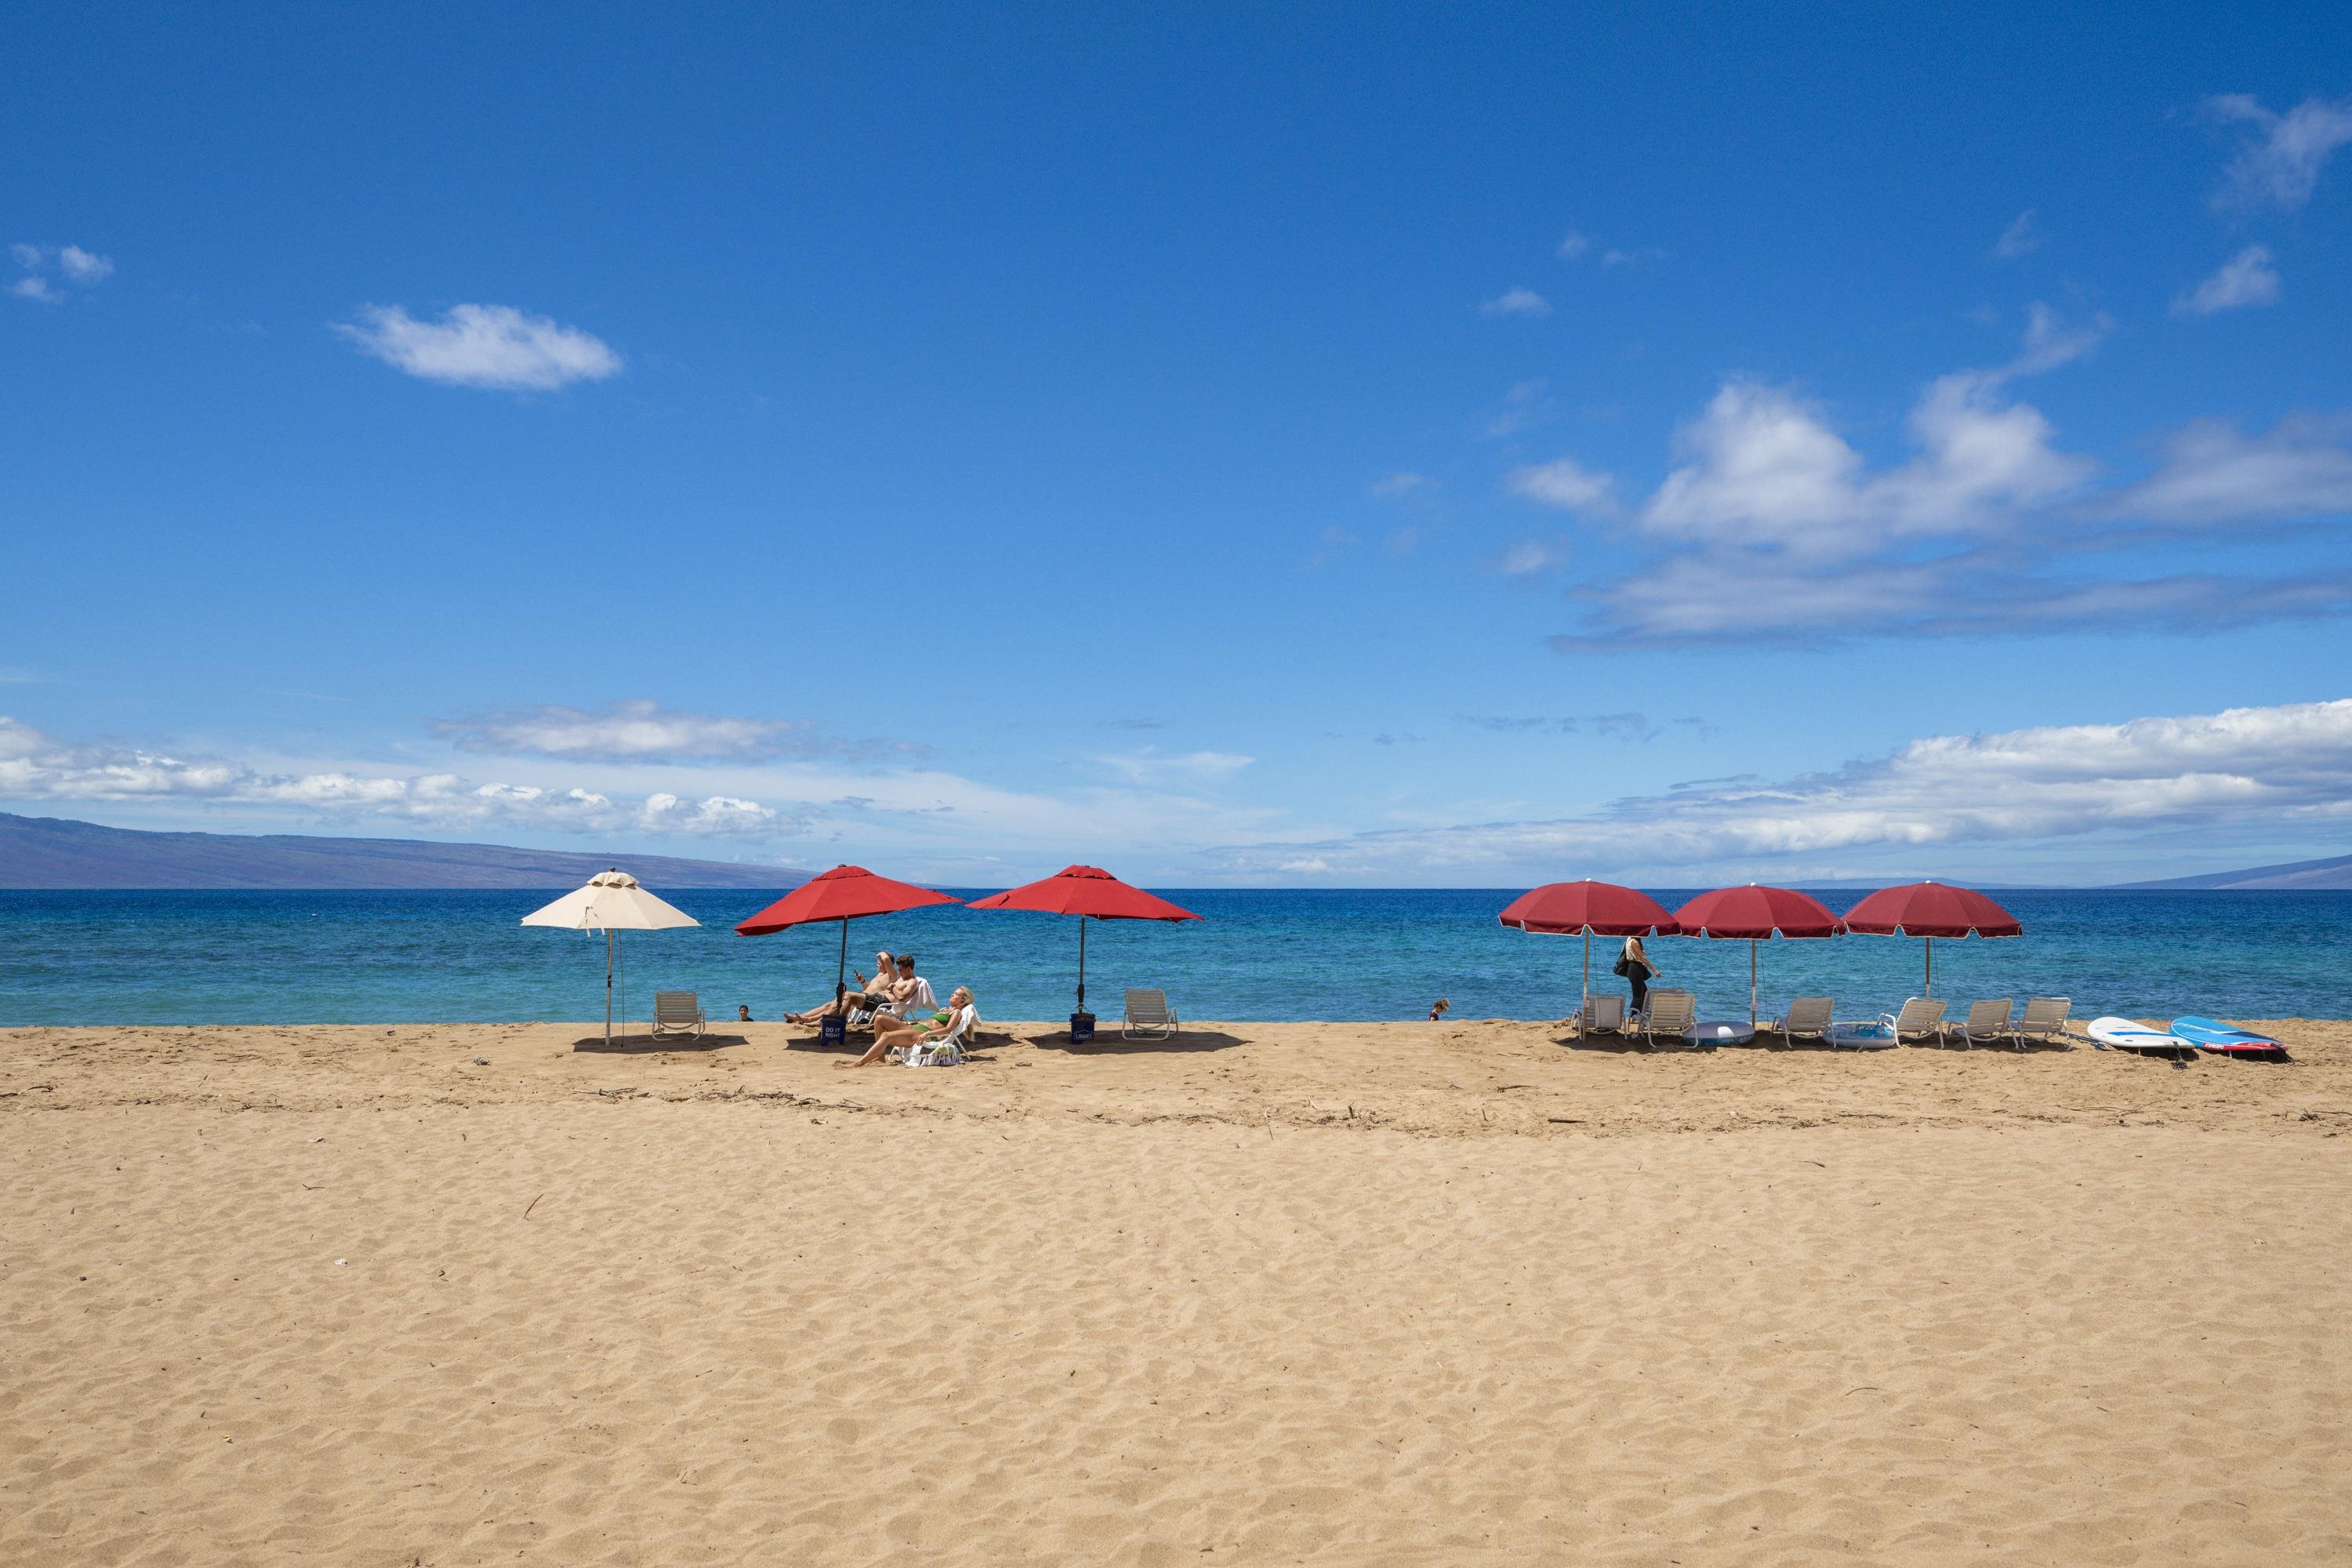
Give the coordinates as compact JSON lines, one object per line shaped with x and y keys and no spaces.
{"x":1437,"y":1009}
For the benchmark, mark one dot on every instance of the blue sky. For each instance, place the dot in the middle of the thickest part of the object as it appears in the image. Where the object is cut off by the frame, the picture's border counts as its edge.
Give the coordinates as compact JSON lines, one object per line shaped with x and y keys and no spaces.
{"x":1359,"y":445}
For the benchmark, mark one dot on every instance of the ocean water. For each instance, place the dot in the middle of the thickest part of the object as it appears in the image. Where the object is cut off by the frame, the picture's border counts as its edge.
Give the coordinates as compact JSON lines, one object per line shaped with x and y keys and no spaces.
{"x":1265,"y":954}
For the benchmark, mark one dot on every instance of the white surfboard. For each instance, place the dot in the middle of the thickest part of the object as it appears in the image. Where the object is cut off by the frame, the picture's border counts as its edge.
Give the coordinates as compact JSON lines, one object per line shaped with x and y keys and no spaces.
{"x":2126,"y":1036}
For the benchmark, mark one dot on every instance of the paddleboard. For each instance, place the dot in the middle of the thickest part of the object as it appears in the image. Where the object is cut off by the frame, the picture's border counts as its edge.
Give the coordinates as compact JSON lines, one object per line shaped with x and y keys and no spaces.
{"x":1714,"y":1033}
{"x":2210,"y":1034}
{"x":2127,"y":1035}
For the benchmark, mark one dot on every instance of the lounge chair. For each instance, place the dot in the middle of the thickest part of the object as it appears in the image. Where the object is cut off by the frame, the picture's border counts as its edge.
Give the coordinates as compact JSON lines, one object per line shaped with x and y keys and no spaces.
{"x":1809,"y":1019}
{"x":1989,"y":1021}
{"x":1671,"y":1014}
{"x":2045,"y":1021}
{"x":1600,"y":1015}
{"x":947,"y":1049}
{"x":1921,"y":1017}
{"x":677,"y":1013}
{"x":1149,"y":1017}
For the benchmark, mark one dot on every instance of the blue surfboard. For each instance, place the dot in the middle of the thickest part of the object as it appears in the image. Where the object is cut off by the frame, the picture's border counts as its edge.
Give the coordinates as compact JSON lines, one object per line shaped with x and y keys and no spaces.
{"x":2210,"y":1034}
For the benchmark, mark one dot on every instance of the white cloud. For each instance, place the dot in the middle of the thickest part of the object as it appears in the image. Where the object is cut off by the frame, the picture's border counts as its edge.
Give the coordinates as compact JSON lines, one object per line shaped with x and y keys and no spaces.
{"x":2276,"y":766}
{"x":1528,"y":557}
{"x":2281,"y":168}
{"x":1634,"y":255}
{"x":1774,"y":527}
{"x":33,"y":767}
{"x":2022,"y":235}
{"x":76,"y":266}
{"x":494,"y":346}
{"x":1517,"y":301}
{"x":1389,"y":487}
{"x":2214,"y":473}
{"x":1765,"y":470}
{"x":83,"y":267}
{"x":644,"y":730}
{"x":2246,"y":279}
{"x":1565,"y":483}
{"x":1148,"y":765}
{"x":1573,"y":245}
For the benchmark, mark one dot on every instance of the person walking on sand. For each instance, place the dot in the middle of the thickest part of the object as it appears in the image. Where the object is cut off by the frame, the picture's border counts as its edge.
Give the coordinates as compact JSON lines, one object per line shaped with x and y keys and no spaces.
{"x":1635,"y":967}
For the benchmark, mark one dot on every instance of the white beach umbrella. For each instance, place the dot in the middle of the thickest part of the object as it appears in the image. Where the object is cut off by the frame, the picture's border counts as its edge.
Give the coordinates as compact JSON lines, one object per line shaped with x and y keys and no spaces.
{"x":612,"y":901}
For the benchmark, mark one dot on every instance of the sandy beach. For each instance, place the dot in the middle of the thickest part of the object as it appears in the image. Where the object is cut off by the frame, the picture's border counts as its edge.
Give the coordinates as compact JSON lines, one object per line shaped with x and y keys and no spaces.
{"x":1458,"y":1292}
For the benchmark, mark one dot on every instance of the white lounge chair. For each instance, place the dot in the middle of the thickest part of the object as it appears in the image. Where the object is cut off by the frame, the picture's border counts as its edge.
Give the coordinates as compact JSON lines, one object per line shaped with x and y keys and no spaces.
{"x":1809,"y":1019}
{"x":1671,"y":1014}
{"x":944,"y":1050}
{"x":1989,"y":1021}
{"x":2045,"y":1020}
{"x":677,"y":1013}
{"x":1149,"y":1017}
{"x":1600,"y":1015}
{"x":1921,"y":1017}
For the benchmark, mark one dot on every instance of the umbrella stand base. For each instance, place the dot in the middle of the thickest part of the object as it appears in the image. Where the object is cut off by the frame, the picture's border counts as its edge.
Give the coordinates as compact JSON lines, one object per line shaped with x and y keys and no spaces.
{"x":1082,"y":1028}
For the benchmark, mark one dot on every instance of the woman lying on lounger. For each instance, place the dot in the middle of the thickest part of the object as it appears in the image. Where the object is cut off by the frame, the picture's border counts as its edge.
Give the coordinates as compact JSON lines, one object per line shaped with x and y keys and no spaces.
{"x":880,"y":992}
{"x":958,"y":1019}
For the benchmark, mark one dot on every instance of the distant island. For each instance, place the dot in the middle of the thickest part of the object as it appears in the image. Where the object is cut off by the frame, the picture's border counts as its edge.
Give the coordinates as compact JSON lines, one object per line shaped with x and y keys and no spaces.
{"x":2320,"y":875}
{"x":57,"y":853}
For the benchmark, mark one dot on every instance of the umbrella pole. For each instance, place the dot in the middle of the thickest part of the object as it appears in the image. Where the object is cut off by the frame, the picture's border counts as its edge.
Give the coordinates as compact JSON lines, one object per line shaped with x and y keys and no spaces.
{"x":841,"y":968}
{"x":1751,"y":981}
{"x":1584,"y":1006}
{"x":1931,"y":969}
{"x":1082,"y":963}
{"x":608,"y":986}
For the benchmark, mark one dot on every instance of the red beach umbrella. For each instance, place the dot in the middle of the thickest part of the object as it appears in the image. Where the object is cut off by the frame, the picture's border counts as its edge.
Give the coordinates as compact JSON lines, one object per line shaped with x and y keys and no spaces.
{"x":1931,"y":909}
{"x":1756,"y":913}
{"x":844,"y":893}
{"x":1089,"y":892}
{"x":1566,"y":909}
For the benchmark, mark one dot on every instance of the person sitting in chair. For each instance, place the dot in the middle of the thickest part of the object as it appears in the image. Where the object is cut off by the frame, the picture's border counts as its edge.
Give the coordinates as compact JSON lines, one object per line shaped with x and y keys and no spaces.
{"x":955,"y":1021}
{"x":878,"y":991}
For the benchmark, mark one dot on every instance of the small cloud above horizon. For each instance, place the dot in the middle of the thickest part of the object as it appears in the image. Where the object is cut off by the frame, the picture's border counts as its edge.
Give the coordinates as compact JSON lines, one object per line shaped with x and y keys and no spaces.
{"x":2246,"y":279}
{"x":2281,"y":167}
{"x":1564,"y":483}
{"x":47,"y":266}
{"x":494,"y":347}
{"x":2022,"y":235}
{"x":1517,"y":301}
{"x":643,"y":730}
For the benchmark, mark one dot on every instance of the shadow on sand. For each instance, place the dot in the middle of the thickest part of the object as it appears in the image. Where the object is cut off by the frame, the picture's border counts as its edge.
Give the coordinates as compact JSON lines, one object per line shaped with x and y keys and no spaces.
{"x":1109,"y":1044}
{"x":646,"y":1046}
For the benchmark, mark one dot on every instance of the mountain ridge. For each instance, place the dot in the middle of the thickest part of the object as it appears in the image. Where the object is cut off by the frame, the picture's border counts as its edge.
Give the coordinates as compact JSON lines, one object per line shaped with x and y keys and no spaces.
{"x":2334,"y":874}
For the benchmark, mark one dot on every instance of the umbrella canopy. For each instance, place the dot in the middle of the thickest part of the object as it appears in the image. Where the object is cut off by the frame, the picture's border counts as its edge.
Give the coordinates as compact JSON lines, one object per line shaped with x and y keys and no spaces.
{"x":1586,"y":908}
{"x":1931,"y":909}
{"x":1596,"y":909}
{"x":1089,"y":892}
{"x":1756,"y":913}
{"x":610,"y":901}
{"x":845,"y":893}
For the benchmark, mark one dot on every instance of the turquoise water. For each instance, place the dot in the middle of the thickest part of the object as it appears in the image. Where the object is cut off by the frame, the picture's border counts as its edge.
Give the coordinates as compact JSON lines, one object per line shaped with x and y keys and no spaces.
{"x":361,"y":957}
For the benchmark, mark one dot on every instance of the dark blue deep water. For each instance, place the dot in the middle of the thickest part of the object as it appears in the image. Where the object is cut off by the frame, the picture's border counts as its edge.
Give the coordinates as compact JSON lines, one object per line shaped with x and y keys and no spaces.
{"x":357,"y":957}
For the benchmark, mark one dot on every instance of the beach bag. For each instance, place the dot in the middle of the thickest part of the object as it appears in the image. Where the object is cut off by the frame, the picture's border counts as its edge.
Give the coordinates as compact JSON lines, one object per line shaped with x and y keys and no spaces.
{"x":1625,"y":967}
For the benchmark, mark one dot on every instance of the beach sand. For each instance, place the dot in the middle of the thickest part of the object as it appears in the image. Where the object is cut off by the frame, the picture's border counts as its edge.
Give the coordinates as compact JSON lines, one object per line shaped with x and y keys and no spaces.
{"x":1457,"y":1293}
